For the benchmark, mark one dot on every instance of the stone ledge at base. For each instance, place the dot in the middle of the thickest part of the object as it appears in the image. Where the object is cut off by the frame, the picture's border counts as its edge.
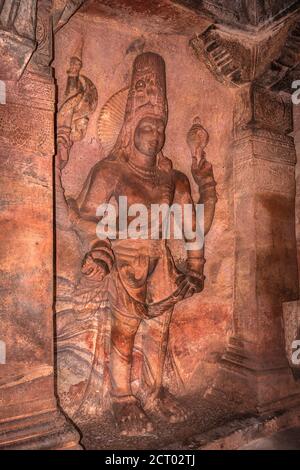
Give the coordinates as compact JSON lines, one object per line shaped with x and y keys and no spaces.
{"x":44,"y":431}
{"x":237,"y":433}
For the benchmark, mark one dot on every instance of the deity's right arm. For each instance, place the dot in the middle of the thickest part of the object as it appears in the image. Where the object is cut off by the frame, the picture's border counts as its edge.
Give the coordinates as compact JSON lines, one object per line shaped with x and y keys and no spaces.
{"x":98,"y":189}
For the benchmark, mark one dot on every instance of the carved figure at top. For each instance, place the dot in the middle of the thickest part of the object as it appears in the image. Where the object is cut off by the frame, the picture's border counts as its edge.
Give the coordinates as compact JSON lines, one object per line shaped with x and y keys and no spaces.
{"x":80,"y":100}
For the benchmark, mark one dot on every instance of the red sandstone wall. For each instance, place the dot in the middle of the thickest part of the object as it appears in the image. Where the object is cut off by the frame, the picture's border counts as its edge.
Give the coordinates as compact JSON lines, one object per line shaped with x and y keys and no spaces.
{"x":297,"y":144}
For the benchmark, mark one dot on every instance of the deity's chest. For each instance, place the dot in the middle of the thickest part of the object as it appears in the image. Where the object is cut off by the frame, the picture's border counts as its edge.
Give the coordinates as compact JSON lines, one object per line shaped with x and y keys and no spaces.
{"x":137,"y":190}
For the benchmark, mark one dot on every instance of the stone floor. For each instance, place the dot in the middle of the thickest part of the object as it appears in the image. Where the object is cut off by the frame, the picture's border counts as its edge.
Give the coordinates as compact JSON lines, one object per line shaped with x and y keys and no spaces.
{"x":205,"y":415}
{"x":212,"y":425}
{"x":288,"y":439}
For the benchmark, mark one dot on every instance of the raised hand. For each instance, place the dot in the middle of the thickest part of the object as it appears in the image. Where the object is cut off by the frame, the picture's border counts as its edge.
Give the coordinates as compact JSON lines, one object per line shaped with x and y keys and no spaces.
{"x":191,"y":285}
{"x":202,"y":170}
{"x":93,"y":268}
{"x":197,"y":139}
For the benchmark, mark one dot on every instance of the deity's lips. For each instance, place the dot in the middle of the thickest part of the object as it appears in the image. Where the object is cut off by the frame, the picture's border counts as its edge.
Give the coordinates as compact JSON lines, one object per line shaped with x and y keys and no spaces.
{"x":153,"y":145}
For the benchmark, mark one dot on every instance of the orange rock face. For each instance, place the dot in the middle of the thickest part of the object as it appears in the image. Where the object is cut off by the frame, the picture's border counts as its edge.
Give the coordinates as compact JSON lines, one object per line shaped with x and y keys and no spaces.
{"x":151,"y":108}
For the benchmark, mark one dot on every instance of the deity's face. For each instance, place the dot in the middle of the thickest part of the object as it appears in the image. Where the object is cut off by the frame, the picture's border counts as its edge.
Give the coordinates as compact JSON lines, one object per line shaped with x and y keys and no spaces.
{"x":79,"y":129}
{"x":75,"y":67}
{"x":149,"y":136}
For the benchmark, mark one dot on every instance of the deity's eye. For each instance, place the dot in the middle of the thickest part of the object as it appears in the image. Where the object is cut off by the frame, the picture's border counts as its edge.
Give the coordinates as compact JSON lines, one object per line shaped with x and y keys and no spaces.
{"x":140,"y":85}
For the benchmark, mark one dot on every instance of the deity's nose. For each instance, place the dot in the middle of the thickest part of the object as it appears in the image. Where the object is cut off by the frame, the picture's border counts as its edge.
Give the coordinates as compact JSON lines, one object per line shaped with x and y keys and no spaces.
{"x":155,"y":134}
{"x":151,"y":92}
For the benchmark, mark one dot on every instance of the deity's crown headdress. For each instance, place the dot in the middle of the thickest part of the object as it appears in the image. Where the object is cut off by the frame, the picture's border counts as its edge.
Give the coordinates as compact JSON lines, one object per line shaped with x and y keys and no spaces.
{"x":147,"y":93}
{"x":146,"y":97}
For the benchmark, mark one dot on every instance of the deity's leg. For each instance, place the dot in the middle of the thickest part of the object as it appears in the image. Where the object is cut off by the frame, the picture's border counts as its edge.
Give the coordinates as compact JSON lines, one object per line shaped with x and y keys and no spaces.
{"x":126,"y":318}
{"x":155,"y":335}
{"x":123,"y":332}
{"x":154,"y":342}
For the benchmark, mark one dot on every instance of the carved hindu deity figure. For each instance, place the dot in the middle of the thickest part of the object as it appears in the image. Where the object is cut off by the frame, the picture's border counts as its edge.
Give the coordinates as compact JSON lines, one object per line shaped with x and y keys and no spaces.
{"x":137,"y":279}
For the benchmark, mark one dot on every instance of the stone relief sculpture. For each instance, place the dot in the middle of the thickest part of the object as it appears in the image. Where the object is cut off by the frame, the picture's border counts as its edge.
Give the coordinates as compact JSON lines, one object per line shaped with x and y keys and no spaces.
{"x":128,"y":288}
{"x":79,"y":102}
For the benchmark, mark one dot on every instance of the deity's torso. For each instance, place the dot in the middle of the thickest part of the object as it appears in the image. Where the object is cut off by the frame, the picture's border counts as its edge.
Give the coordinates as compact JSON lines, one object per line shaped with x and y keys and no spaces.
{"x":146,"y":187}
{"x":136,"y":259}
{"x":117,"y":180}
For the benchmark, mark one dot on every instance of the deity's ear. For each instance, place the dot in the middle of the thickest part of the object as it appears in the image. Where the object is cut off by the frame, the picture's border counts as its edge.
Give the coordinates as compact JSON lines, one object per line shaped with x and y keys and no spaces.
{"x":128,"y":137}
{"x":124,"y":143}
{"x":164,"y":163}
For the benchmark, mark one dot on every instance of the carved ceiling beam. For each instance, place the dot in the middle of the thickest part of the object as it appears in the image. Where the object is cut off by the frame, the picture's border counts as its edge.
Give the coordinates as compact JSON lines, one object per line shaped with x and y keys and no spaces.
{"x":286,"y":68}
{"x":267,"y":59}
{"x":247,"y":15}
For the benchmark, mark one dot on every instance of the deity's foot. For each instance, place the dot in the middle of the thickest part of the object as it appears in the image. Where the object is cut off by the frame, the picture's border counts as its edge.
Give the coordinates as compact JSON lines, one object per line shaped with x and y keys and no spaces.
{"x":166,"y":407}
{"x":130,"y":417}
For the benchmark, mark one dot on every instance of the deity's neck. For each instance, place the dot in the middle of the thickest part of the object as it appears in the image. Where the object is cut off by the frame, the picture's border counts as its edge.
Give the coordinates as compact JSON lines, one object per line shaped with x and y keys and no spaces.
{"x":142,"y":161}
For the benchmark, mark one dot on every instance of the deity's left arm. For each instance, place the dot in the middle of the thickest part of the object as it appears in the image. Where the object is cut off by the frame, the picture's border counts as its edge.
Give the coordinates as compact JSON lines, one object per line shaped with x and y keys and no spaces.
{"x":204,"y":178}
{"x":195,"y":251}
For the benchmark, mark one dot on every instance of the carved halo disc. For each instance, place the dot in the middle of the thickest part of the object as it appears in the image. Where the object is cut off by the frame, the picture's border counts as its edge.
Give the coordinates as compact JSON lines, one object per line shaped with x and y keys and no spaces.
{"x":111,"y":118}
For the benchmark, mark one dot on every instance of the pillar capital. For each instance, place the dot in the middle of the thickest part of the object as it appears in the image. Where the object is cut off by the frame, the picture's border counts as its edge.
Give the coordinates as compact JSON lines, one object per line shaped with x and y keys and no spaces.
{"x":257,"y":108}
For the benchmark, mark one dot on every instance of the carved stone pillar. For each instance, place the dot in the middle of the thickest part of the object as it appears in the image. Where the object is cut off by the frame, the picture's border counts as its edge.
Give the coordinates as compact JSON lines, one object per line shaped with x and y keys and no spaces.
{"x":255,"y":371}
{"x":266,"y":273}
{"x":29,"y":416}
